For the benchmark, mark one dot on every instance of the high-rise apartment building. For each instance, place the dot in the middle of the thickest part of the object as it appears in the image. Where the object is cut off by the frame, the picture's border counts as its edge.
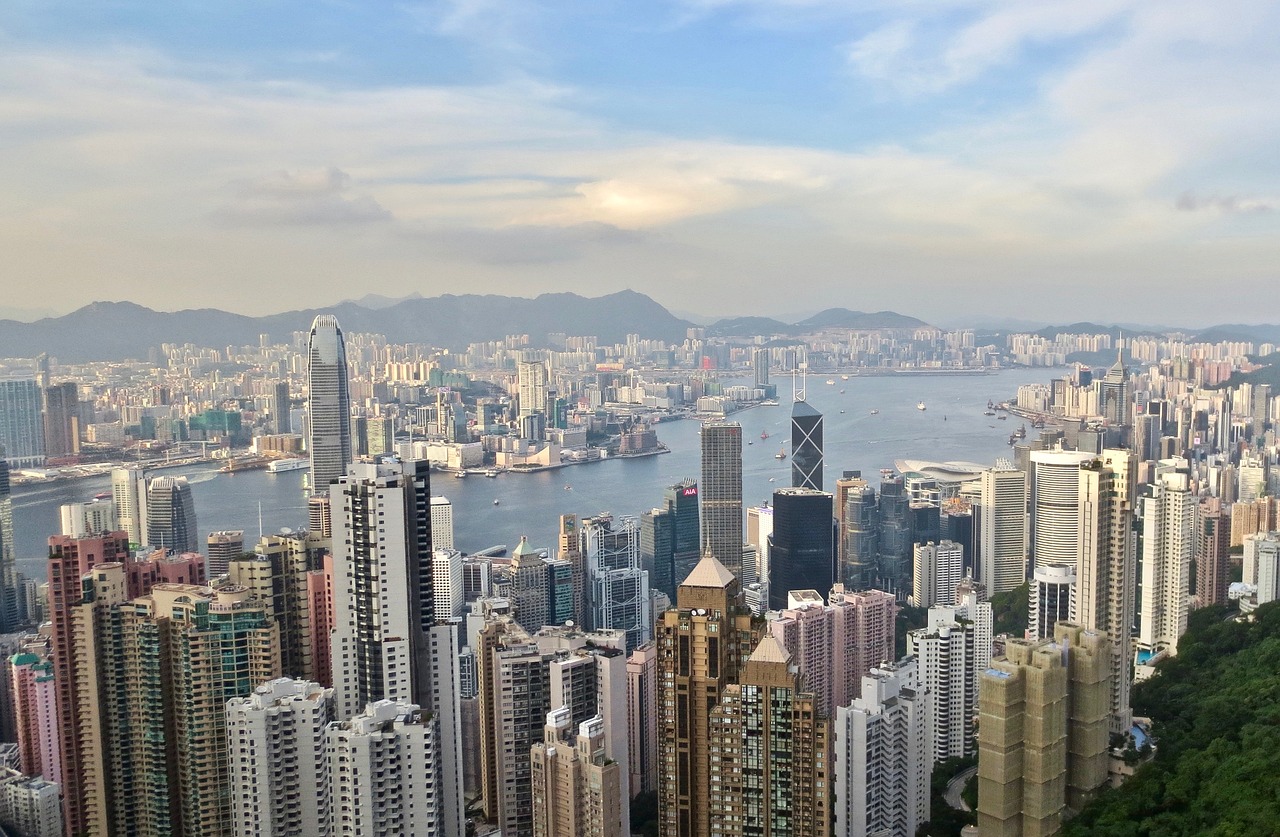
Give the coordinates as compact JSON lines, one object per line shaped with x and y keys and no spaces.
{"x":21,"y":424}
{"x":768,"y":711}
{"x":328,"y":403}
{"x":702,"y":643}
{"x":642,"y":719}
{"x":802,"y":546}
{"x":1042,"y":738}
{"x":937,"y":569}
{"x":91,"y":518}
{"x":806,"y":446}
{"x":883,"y":764}
{"x":385,"y":769}
{"x":531,"y":383}
{"x":387,"y":643}
{"x":760,"y":366}
{"x":619,"y":587}
{"x":1001,"y":562}
{"x":10,"y":609}
{"x":29,"y":805}
{"x":721,"y":488}
{"x":276,"y":574}
{"x":441,"y":522}
{"x":1107,"y":564}
{"x":61,"y":420}
{"x":1213,"y":545}
{"x":279,"y":760}
{"x":577,"y":787}
{"x":1168,"y":543}
{"x":223,"y":548}
{"x":171,"y":515}
{"x":35,"y":710}
{"x":951,"y":651}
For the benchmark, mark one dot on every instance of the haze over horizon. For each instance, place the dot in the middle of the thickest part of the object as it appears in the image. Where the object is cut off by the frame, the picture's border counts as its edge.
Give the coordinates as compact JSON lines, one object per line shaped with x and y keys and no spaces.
{"x":1107,"y":159}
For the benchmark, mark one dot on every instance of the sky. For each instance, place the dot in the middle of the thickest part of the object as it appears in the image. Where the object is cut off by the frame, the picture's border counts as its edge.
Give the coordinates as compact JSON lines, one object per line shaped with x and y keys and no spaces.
{"x":1107,"y":160}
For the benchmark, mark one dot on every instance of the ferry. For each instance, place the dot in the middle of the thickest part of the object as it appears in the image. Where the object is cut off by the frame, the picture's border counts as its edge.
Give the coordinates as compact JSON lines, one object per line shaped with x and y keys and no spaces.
{"x":875,"y":412}
{"x":844,"y":378}
{"x":279,"y":466}
{"x":457,"y":475}
{"x":491,"y":473}
{"x":831,"y":382}
{"x":781,"y":454}
{"x":920,"y":406}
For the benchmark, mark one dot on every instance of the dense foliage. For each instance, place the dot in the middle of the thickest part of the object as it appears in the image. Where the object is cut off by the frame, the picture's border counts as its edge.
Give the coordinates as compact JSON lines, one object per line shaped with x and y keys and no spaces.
{"x":1009,"y":611}
{"x":946,"y":821}
{"x":1216,"y":714}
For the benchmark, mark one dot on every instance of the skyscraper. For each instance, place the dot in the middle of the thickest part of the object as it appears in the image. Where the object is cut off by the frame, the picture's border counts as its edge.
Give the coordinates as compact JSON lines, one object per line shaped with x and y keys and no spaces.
{"x":938,"y":568}
{"x":61,"y":420}
{"x":806,"y":446}
{"x":1113,"y":392}
{"x":801,"y":548}
{"x":531,"y":382}
{"x":1051,"y":598}
{"x":223,"y":548}
{"x":21,"y":423}
{"x":619,"y":587}
{"x":570,"y":551}
{"x":1168,"y":542}
{"x":9,"y":610}
{"x":1213,"y":537}
{"x":129,"y":493}
{"x":701,"y":643}
{"x":669,"y":537}
{"x":387,"y":644}
{"x":1002,"y":521}
{"x":171,"y":515}
{"x":858,"y":538}
{"x":577,"y":788}
{"x":1055,"y":507}
{"x":329,"y":403}
{"x":722,"y":493}
{"x":1106,"y":565}
{"x":1042,"y":740}
{"x":280,"y":407}
{"x":883,"y":762}
{"x":952,"y":651}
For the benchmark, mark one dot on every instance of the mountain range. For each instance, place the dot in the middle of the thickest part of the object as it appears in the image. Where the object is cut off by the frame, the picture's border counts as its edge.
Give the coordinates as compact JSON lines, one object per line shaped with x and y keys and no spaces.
{"x":126,"y":330}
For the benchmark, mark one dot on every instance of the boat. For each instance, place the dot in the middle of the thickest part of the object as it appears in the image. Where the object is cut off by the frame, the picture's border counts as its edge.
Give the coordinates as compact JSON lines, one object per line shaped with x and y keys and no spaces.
{"x":842,"y":392}
{"x":842,"y":411}
{"x":781,"y":454}
{"x":568,"y":487}
{"x":749,"y":442}
{"x":770,"y":479}
{"x":764,"y":434}
{"x":491,"y":473}
{"x":831,"y":382}
{"x":279,"y":466}
{"x":457,"y":475}
{"x":496,"y":503}
{"x":1002,"y":417}
{"x":1021,"y":432}
{"x":844,"y":378}
{"x":106,"y":495}
{"x":875,"y":412}
{"x":920,"y":405}
{"x":988,"y":412}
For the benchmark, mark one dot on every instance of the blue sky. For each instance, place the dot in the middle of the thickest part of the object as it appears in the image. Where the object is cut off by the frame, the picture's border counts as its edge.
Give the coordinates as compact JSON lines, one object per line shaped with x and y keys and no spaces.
{"x":1107,"y":159}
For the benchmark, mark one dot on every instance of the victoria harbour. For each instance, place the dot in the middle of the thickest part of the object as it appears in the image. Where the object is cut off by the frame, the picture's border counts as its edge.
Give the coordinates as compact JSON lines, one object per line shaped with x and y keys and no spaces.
{"x":951,"y":428}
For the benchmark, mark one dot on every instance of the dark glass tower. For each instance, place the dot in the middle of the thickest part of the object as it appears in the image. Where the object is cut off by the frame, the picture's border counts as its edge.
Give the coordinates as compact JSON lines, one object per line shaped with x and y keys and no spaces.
{"x":861,"y":538}
{"x":721,"y":489}
{"x":670,"y":539}
{"x":171,"y":515}
{"x":802,"y":546}
{"x":895,"y":532}
{"x":806,"y":446}
{"x":10,"y":612}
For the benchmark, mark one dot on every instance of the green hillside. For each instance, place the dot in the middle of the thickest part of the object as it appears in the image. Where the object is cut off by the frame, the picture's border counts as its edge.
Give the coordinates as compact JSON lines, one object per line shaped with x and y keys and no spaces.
{"x":1216,"y":713}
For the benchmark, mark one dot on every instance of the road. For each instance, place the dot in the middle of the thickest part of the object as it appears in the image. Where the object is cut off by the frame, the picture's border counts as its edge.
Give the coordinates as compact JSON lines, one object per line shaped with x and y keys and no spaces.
{"x":956,"y":787}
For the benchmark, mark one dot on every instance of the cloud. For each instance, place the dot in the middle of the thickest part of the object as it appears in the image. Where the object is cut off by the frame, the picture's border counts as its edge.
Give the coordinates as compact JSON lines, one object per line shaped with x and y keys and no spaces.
{"x":315,"y":196}
{"x":1226,"y":205}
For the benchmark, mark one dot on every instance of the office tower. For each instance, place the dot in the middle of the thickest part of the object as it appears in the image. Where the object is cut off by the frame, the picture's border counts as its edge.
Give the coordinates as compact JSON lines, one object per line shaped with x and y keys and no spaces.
{"x":1042,"y":738}
{"x":766,"y":713}
{"x":801,"y":548}
{"x":642,"y":719}
{"x":570,"y":551}
{"x":76,"y":676}
{"x":1051,"y":598}
{"x":61,"y":420}
{"x":91,"y":518}
{"x":895,"y":533}
{"x":280,"y":407}
{"x":1148,"y":428}
{"x":531,"y":382}
{"x":279,"y":761}
{"x":938,"y":568}
{"x":223,"y":548}
{"x":619,"y":587}
{"x":447,"y":575}
{"x":956,"y":524}
{"x":21,"y":424}
{"x":1213,"y":543}
{"x":883,"y":763}
{"x":380,"y":435}
{"x":441,"y":522}
{"x":951,"y":651}
{"x":387,"y":644}
{"x":806,"y":446}
{"x":669,"y":537}
{"x":1106,"y":565}
{"x":328,"y":404}
{"x":722,"y":493}
{"x":857,"y":531}
{"x":577,"y":788}
{"x":320,"y":516}
{"x":10,"y":608}
{"x":171,"y":515}
{"x":35,"y":709}
{"x":276,"y":575}
{"x":701,"y":643}
{"x":1001,"y":563}
{"x":529,"y":586}
{"x":129,"y":493}
{"x":1252,"y":477}
{"x":1168,"y":542}
{"x":385,"y":769}
{"x":1055,"y":507}
{"x":359,"y":437}
{"x":1262,"y":563}
{"x":1114,"y":398}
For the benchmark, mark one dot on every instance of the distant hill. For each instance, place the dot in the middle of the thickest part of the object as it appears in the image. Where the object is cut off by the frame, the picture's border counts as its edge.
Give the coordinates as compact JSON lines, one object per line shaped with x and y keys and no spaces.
{"x":1051,"y":332}
{"x":124,"y":330}
{"x":1264,"y":333}
{"x":830,"y":318}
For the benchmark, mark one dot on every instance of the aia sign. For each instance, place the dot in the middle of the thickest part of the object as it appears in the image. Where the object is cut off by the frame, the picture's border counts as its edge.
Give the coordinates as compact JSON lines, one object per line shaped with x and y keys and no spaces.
{"x":689,"y":492}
